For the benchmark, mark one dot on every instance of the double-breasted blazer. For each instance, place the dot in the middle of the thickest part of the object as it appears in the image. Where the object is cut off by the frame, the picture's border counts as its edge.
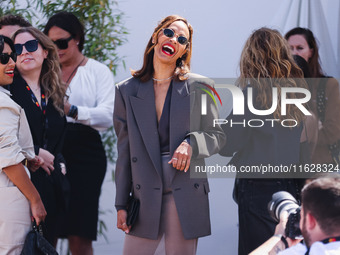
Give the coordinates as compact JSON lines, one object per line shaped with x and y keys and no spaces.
{"x":139,"y":166}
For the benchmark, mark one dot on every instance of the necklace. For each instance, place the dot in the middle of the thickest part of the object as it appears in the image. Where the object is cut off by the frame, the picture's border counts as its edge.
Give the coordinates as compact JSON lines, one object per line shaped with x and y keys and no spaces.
{"x":163,"y":79}
{"x":35,"y":89}
{"x":74,"y":70}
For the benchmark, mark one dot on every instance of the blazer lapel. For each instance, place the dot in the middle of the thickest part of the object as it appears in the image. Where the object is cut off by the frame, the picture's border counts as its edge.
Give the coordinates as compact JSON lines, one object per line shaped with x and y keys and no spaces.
{"x":179,"y":113}
{"x":144,"y":110}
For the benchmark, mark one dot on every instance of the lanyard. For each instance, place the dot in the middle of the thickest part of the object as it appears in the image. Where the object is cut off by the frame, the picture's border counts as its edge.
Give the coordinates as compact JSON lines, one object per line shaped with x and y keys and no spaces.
{"x":42,"y":108}
{"x":326,"y":241}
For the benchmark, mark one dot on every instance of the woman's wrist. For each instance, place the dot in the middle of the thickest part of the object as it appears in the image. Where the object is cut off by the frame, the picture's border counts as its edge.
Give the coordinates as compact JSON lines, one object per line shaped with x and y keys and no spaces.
{"x":73,"y":112}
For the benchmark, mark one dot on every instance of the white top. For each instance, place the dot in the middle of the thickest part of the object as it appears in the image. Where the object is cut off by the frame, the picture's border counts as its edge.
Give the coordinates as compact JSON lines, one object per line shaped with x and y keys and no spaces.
{"x":16,"y":142}
{"x":317,"y":248}
{"x":92,"y":90}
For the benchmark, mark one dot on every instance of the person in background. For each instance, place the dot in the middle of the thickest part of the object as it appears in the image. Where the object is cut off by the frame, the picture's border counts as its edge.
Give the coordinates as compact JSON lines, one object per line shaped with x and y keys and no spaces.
{"x":309,"y":135}
{"x":38,"y":88}
{"x":10,"y":23}
{"x":19,"y":199}
{"x":89,"y":109}
{"x":161,"y":138}
{"x":266,"y":63}
{"x":325,"y":100}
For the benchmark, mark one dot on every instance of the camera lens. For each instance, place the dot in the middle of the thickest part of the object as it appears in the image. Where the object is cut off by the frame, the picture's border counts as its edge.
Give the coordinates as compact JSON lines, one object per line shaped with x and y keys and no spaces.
{"x":282,"y":201}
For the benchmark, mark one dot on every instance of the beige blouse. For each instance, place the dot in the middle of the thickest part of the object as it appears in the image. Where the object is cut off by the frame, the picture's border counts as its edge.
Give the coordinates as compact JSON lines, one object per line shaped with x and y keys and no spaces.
{"x":15,"y":137}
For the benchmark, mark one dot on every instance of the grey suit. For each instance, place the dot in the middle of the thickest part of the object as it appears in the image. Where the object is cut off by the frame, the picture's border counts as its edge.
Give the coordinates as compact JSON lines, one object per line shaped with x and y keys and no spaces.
{"x":139,"y":161}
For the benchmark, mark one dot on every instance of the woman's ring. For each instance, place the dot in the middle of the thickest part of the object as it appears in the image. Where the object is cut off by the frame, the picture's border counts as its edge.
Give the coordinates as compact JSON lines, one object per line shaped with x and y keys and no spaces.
{"x":175,"y":158}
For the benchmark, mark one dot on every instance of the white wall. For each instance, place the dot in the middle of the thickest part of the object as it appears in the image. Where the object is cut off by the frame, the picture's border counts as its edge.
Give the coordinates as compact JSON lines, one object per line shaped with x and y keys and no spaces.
{"x":220,"y":29}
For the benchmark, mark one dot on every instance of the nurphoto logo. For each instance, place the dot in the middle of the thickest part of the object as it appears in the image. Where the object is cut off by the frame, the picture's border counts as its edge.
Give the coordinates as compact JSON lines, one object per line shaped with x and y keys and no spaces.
{"x":238,"y":99}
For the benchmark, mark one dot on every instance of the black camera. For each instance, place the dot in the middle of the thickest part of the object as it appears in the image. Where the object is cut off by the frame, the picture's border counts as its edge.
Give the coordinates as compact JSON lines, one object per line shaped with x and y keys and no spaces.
{"x":284,"y":201}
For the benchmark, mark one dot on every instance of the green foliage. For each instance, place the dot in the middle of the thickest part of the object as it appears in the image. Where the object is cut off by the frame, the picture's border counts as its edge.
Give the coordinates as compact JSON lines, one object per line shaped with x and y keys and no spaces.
{"x":103,"y":28}
{"x":104,"y":33}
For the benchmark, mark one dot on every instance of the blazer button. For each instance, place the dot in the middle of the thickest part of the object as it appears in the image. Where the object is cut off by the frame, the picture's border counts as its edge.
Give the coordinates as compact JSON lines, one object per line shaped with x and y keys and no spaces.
{"x":134,"y":159}
{"x":137,"y":186}
{"x":196,"y":185}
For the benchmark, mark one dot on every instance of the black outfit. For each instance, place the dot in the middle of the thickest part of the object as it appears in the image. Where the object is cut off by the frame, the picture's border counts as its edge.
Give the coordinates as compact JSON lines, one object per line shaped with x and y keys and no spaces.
{"x":255,"y":146}
{"x":86,"y":163}
{"x":50,"y":139}
{"x":164,"y":124}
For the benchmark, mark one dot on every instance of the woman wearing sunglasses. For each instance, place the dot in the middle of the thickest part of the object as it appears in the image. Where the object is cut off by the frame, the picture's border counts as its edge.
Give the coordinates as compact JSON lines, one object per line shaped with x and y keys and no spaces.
{"x":89,"y":109}
{"x":19,"y":199}
{"x":38,"y":89}
{"x":161,"y":138}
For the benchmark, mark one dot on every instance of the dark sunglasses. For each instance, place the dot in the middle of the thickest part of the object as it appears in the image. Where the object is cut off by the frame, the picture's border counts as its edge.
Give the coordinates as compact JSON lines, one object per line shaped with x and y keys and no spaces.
{"x":62,"y":44}
{"x":31,"y":46}
{"x":4,"y":57}
{"x":168,"y":32}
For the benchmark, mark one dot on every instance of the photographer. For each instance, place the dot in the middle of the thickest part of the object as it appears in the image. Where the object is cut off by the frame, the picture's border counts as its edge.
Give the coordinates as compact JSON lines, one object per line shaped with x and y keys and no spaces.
{"x":319,"y":224}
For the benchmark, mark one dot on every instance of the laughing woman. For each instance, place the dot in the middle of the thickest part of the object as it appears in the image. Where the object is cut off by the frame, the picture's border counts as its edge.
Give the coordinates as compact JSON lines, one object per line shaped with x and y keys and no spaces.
{"x":18,"y":196}
{"x":161,"y":136}
{"x":39,"y":90}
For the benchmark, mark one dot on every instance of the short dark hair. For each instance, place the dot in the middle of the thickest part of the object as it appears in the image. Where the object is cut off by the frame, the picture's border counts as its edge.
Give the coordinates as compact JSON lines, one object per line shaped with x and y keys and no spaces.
{"x":3,"y":40}
{"x":321,"y":198}
{"x":70,"y":23}
{"x":14,"y":20}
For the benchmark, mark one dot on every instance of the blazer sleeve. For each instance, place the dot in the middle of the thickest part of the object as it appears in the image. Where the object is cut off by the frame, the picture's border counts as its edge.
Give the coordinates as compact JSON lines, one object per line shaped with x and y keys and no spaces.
{"x":10,"y":151}
{"x":238,"y":134}
{"x":206,"y":137}
{"x":123,"y":177}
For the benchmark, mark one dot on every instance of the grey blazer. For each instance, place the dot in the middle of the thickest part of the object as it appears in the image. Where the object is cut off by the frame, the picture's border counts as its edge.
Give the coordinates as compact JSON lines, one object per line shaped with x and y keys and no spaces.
{"x":138,"y":166}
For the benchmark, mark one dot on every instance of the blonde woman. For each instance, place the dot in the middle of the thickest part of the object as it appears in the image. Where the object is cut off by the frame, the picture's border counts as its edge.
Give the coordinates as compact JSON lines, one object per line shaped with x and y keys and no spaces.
{"x":38,"y":89}
{"x":266,"y":63}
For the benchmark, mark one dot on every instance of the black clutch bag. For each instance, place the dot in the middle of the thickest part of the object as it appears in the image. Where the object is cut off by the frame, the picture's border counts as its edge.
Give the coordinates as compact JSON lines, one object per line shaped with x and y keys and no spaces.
{"x":132,"y":211}
{"x":36,"y":244}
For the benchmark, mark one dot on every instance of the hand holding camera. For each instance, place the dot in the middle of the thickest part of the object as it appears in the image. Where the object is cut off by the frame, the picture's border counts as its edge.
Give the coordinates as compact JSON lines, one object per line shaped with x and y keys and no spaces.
{"x":285,"y":209}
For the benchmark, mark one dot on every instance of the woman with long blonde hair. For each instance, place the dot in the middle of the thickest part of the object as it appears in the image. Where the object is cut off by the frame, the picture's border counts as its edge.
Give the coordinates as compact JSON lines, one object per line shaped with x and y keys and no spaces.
{"x":38,"y":89}
{"x":266,"y":65}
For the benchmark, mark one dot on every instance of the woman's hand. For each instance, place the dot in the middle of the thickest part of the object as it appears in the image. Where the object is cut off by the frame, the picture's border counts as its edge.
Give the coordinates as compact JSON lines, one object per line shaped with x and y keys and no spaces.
{"x":48,"y":159}
{"x":182,"y":156}
{"x":35,"y":163}
{"x":38,"y":211}
{"x":121,"y":221}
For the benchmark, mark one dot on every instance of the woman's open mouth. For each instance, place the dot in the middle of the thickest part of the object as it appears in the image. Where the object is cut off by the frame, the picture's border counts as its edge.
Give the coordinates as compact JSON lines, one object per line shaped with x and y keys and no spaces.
{"x":10,"y":72}
{"x":168,"y":49}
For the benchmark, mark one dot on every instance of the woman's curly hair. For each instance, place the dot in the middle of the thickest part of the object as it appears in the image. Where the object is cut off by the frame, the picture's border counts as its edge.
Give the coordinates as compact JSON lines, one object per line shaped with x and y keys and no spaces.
{"x":266,"y":62}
